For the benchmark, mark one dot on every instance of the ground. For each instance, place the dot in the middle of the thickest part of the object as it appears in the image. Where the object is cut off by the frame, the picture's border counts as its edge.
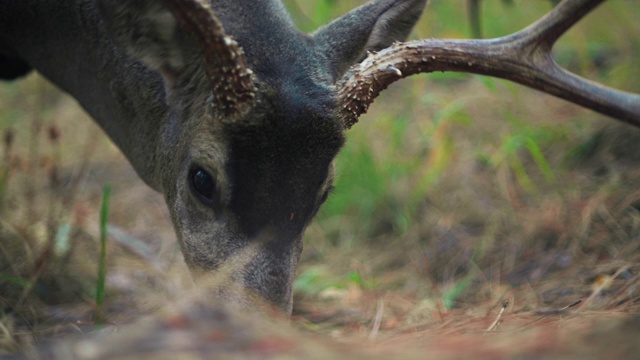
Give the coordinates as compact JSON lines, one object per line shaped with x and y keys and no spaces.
{"x":471,"y":218}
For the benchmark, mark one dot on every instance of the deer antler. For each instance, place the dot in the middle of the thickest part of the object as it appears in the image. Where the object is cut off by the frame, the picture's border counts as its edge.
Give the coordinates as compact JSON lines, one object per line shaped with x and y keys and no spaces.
{"x":523,"y":57}
{"x":231,"y":80}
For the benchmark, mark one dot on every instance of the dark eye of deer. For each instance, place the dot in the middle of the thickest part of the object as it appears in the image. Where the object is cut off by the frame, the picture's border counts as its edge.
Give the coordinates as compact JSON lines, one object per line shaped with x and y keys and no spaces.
{"x":203,"y":184}
{"x":325,"y":195}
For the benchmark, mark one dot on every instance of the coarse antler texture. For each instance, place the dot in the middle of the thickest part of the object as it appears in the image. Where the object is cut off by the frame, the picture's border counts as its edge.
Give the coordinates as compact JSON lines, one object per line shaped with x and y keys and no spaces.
{"x":231,"y":80}
{"x":523,"y":57}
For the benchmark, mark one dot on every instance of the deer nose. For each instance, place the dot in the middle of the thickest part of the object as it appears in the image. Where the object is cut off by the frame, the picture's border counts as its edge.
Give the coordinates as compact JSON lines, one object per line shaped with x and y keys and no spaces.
{"x":271,"y":272}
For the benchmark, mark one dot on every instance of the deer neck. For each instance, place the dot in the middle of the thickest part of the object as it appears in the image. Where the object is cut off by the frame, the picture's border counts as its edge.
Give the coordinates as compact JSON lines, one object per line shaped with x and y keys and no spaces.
{"x":67,"y":43}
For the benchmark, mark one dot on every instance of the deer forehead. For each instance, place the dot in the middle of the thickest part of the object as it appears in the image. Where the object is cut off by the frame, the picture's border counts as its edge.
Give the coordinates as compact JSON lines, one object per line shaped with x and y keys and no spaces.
{"x":279,"y":182}
{"x":278,"y":166}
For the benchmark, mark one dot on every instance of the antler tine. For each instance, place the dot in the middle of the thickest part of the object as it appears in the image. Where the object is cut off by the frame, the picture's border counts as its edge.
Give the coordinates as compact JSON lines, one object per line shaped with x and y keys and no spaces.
{"x":231,"y":80}
{"x":523,"y":57}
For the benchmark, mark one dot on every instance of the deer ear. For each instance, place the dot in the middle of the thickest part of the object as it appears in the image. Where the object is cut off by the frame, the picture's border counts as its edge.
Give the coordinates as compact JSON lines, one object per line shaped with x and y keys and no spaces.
{"x":370,"y":27}
{"x":151,"y":35}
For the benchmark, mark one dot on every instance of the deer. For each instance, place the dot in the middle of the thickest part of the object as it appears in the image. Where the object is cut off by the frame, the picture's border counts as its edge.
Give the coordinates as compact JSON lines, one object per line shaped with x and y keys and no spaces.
{"x":236,"y":117}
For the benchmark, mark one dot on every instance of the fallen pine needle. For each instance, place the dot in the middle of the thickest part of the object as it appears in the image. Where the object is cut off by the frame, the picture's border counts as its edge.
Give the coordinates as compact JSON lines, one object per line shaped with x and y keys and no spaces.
{"x":495,"y":322}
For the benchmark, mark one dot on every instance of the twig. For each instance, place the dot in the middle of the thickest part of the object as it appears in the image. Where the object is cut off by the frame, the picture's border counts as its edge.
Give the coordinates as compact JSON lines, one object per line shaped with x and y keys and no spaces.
{"x":556,"y":311}
{"x":376,"y":322}
{"x":494,"y":325}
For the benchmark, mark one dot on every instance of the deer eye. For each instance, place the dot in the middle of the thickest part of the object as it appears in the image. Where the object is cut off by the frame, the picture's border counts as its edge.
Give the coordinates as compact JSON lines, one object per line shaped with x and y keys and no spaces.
{"x":326,"y":194}
{"x":203,"y":185}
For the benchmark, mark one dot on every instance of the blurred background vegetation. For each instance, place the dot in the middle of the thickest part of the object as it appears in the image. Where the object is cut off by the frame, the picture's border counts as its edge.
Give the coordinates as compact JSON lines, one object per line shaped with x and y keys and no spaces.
{"x":454,"y":191}
{"x":469,"y":183}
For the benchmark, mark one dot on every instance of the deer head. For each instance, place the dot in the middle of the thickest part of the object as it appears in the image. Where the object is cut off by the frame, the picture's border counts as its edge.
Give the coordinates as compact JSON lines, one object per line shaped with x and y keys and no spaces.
{"x":256,"y":112}
{"x":253,"y":125}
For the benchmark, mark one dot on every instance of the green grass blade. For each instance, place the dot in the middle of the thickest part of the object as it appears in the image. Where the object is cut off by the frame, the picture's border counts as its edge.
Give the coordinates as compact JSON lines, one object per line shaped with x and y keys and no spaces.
{"x":102,"y":262}
{"x":14,"y":280}
{"x":449,"y":297}
{"x":540,"y":159}
{"x":520,"y":173}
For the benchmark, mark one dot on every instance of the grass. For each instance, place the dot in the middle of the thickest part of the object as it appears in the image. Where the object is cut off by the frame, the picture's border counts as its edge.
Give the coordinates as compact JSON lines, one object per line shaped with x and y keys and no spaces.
{"x":102,"y":262}
{"x":455,"y":194}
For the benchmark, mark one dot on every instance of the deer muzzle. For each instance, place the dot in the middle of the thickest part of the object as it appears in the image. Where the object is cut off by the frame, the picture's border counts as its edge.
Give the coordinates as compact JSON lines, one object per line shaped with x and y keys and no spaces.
{"x":257,"y":277}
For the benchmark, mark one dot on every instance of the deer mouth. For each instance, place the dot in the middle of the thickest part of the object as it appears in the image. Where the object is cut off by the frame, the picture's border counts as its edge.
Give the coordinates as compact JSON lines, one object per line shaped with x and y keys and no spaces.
{"x":258,"y":277}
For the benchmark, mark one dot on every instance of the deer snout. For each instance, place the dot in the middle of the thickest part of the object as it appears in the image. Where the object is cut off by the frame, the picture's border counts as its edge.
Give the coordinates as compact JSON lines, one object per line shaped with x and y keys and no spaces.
{"x":271,"y":273}
{"x":258,"y":277}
